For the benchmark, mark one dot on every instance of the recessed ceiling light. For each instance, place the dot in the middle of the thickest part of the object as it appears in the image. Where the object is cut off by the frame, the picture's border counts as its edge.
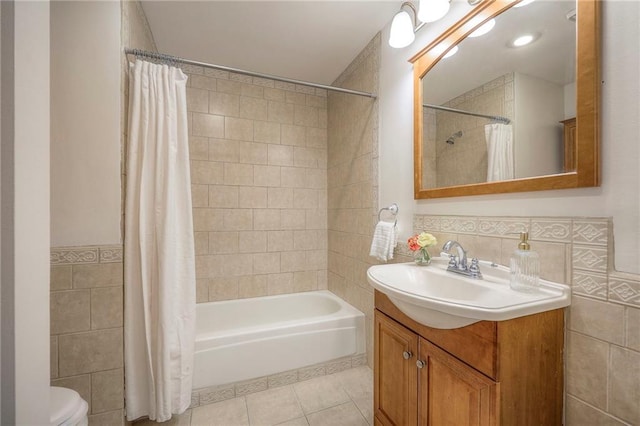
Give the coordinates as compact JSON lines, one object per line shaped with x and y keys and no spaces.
{"x":524,"y":3}
{"x":522,"y":40}
{"x":485,"y":28}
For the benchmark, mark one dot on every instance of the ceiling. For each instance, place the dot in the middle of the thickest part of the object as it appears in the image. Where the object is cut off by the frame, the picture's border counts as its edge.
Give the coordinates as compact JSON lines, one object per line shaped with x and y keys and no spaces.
{"x":304,"y":40}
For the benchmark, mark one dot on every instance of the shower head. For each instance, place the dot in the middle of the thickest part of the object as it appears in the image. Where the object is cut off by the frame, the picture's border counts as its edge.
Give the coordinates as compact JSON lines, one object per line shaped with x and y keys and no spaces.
{"x":452,"y":139}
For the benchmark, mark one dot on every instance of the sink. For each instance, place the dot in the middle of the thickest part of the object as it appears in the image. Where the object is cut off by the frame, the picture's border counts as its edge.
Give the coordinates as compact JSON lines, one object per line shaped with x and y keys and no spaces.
{"x":440,"y":299}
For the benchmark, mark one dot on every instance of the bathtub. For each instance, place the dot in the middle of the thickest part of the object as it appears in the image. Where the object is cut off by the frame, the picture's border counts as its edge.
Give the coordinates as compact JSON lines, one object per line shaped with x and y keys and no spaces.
{"x":249,"y":338}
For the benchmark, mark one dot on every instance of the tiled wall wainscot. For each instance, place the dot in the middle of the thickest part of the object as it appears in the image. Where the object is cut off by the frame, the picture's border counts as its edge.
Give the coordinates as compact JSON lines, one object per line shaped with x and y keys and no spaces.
{"x":602,"y":365}
{"x":87,"y":326}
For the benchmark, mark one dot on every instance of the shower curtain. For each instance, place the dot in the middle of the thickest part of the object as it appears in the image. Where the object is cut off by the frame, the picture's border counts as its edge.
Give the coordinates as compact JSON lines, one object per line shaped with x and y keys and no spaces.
{"x":159,"y":264}
{"x":499,"y":151}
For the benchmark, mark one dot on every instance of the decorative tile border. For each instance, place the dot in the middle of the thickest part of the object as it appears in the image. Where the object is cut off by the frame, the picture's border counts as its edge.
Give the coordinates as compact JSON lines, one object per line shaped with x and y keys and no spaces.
{"x":590,"y":258}
{"x":624,"y":289}
{"x":554,"y":230}
{"x":594,"y":232}
{"x":86,"y":254}
{"x":460,"y":225}
{"x":590,"y":284}
{"x":231,"y":390}
{"x":506,"y":227}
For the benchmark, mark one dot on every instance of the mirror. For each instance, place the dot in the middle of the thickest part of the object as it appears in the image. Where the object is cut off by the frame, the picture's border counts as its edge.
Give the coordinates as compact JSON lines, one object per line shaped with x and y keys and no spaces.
{"x":495,"y":118}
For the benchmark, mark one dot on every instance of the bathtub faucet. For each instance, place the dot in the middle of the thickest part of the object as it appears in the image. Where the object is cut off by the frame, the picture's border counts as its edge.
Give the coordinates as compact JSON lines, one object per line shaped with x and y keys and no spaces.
{"x":458,"y":264}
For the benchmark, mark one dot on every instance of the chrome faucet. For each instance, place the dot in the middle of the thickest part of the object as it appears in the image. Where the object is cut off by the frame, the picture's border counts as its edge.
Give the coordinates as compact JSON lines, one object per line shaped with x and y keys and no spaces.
{"x":458,"y":264}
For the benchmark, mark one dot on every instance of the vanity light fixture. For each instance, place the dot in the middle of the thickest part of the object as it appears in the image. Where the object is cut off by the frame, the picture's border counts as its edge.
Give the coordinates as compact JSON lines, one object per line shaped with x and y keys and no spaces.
{"x":403,"y":28}
{"x":432,"y":10}
{"x":484,"y":28}
{"x":523,"y":3}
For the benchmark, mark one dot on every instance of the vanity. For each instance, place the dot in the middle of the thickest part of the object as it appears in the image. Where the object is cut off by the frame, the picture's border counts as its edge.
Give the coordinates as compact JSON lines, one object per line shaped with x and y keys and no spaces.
{"x":455,"y":351}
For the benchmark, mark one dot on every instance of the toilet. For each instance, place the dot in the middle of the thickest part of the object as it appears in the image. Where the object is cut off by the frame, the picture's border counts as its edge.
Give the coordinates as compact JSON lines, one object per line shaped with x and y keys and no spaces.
{"x":67,"y":408}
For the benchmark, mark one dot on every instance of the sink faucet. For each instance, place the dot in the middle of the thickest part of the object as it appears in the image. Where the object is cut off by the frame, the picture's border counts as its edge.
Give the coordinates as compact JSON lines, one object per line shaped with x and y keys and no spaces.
{"x":458,"y":264}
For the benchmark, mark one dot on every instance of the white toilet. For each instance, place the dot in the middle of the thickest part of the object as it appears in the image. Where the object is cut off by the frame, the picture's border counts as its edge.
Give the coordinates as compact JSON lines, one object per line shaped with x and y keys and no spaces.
{"x":67,"y":408}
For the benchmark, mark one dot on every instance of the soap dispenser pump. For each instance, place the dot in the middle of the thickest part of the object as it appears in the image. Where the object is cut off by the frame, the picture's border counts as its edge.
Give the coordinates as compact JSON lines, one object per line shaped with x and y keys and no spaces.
{"x":525,"y":267}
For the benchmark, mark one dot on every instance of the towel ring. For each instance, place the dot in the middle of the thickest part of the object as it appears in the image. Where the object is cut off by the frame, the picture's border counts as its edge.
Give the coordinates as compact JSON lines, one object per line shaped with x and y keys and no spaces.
{"x":393,"y":209}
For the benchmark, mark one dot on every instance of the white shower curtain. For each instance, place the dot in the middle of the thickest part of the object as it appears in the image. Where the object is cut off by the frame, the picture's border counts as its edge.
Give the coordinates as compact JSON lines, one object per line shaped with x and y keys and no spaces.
{"x":159,"y":264}
{"x":499,"y":151}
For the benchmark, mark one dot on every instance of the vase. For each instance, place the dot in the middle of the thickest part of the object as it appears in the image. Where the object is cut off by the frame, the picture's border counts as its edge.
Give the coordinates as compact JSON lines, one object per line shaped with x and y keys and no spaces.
{"x":422,"y":257}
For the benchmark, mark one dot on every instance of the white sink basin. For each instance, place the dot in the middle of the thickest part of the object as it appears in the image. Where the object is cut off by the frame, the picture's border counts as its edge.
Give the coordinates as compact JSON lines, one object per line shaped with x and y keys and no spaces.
{"x":440,"y":299}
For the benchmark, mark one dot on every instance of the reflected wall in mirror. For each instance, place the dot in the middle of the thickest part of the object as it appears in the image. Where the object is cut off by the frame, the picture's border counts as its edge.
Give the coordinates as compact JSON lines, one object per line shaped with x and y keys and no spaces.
{"x":496,"y":118}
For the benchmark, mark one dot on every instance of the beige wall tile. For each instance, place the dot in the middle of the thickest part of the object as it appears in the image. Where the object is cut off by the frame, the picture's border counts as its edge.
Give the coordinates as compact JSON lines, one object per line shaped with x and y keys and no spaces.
{"x":252,"y":286}
{"x":625,"y":289}
{"x":97,"y":275}
{"x":306,"y":116}
{"x":273,"y":94}
{"x":305,"y":281}
{"x":280,"y":198}
{"x":238,"y":174}
{"x":91,"y":351}
{"x":293,"y":219}
{"x":234,"y":265}
{"x":238,"y":129}
{"x":633,"y":328}
{"x":280,"y":155}
{"x":224,"y":104}
{"x":291,"y":261}
{"x":53,"y":357}
{"x":586,"y":369}
{"x":252,"y":153}
{"x":252,"y":242}
{"x":197,"y":100}
{"x":316,"y":137}
{"x":280,"y":283}
{"x":107,"y":391}
{"x":294,"y":177}
{"x":106,"y":307}
{"x":80,"y":384}
{"x":211,"y":126}
{"x":202,"y":82}
{"x":223,"y":196}
{"x":70,"y":311}
{"x":223,"y":242}
{"x":60,"y":277}
{"x":624,"y":391}
{"x":304,"y":198}
{"x":293,"y":135}
{"x":208,"y":266}
{"x":580,"y":414}
{"x":200,"y":195}
{"x":252,"y":197}
{"x":208,"y":219}
{"x":266,"y":176}
{"x":207,"y":172}
{"x":266,"y":263}
{"x":223,"y":150}
{"x":279,"y":112}
{"x":238,"y":219}
{"x":264,"y":131}
{"x":295,"y":98}
{"x":253,"y":108}
{"x":229,"y":86}
{"x":602,"y":320}
{"x":223,"y":288}
{"x":201,"y":240}
{"x":279,"y":240}
{"x":266,"y":219}
{"x":110,"y":418}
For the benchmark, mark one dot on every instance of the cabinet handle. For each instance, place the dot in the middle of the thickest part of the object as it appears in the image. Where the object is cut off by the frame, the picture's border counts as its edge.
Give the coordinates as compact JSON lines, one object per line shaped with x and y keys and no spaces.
{"x":420,"y":364}
{"x":407,"y":354}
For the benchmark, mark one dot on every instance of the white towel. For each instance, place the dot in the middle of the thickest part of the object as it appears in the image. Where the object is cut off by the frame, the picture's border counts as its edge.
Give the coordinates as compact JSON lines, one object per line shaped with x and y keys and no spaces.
{"x":384,"y":241}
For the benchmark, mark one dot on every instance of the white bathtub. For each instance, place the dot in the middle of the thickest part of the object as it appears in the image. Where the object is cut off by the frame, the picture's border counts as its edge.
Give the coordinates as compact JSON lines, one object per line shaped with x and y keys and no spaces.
{"x":249,"y":338}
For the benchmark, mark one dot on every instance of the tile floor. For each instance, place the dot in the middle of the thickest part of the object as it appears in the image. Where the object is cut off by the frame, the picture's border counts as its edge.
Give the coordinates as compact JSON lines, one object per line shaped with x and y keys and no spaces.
{"x":340,"y":399}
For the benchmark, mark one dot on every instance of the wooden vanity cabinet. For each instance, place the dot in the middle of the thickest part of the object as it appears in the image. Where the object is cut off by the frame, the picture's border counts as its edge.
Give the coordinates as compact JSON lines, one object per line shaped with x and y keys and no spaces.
{"x":489,"y":373}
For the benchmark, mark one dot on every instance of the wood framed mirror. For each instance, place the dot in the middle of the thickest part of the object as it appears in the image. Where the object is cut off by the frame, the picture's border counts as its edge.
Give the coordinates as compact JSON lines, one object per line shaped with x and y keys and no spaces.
{"x":573,"y":160}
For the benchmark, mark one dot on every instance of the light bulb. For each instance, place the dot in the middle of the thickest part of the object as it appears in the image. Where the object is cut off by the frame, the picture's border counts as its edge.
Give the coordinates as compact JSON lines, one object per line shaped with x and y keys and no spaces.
{"x":432,"y":10}
{"x":401,"y":34}
{"x":522,"y":40}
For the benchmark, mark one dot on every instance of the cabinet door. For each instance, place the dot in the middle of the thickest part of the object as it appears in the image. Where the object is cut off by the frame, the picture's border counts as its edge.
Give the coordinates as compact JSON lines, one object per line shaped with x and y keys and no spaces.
{"x":452,"y":393}
{"x":395,"y":373}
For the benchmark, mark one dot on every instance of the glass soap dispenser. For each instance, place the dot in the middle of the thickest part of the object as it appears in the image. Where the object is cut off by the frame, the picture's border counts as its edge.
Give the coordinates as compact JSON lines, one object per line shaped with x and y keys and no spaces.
{"x":525,"y":267}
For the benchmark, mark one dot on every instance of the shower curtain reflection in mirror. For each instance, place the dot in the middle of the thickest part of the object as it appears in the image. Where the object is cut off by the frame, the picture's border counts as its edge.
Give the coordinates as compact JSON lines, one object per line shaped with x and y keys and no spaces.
{"x":499,"y":139}
{"x":160,"y":301}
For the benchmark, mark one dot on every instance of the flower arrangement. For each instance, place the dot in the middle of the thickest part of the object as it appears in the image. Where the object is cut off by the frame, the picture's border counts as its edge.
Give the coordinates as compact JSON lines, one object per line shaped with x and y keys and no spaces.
{"x":419,"y":244}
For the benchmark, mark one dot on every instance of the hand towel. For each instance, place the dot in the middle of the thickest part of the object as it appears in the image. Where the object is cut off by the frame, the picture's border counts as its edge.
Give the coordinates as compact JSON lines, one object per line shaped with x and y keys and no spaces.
{"x":384,"y":241}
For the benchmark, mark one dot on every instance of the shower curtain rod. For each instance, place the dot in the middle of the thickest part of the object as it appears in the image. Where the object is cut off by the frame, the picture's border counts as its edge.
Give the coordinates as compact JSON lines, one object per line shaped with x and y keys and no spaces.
{"x":169,"y":58}
{"x":503,"y":120}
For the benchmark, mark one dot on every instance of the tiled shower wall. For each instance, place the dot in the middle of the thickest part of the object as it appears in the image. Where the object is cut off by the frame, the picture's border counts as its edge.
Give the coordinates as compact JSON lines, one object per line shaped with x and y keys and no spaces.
{"x":352,"y":180}
{"x":258,"y":152}
{"x":87,"y":326}
{"x":602,"y":364}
